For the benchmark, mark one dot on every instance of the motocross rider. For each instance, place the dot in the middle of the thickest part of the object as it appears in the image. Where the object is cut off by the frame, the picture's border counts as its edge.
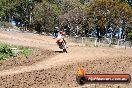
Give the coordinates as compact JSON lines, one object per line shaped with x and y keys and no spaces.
{"x":60,"y":38}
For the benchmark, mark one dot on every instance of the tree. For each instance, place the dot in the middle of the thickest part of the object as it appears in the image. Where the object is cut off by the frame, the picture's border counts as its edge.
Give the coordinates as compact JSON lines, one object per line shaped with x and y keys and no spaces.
{"x":108,"y":12}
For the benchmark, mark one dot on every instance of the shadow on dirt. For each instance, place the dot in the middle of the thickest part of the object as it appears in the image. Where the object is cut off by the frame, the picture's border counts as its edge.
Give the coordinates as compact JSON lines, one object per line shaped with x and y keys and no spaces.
{"x":58,"y":51}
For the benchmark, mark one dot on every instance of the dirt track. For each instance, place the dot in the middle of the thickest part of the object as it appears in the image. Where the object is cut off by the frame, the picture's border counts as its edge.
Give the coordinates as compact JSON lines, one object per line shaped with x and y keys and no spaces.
{"x":60,"y":70}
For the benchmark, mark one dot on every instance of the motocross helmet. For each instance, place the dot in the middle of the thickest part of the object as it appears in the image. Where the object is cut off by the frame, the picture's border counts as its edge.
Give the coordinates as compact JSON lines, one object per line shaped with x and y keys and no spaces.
{"x":61,"y":32}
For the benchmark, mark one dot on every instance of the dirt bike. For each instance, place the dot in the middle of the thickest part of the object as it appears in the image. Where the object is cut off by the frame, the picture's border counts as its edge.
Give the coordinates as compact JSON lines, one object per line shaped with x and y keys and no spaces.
{"x":62,"y":45}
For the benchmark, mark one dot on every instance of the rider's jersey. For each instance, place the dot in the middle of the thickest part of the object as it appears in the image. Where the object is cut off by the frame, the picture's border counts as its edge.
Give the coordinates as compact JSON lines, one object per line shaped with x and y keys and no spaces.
{"x":60,"y":36}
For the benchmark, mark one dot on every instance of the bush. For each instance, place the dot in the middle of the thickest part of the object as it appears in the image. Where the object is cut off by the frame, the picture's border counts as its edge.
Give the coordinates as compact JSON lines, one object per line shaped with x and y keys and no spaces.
{"x":7,"y":51}
{"x":26,"y":52}
{"x":130,"y":36}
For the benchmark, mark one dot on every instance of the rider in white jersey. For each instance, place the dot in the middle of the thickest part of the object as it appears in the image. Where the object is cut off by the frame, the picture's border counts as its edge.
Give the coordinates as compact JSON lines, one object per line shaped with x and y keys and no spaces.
{"x":60,"y":37}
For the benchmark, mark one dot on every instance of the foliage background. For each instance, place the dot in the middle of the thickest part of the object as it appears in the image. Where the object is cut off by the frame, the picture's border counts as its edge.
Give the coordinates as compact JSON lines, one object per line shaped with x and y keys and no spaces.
{"x":49,"y":13}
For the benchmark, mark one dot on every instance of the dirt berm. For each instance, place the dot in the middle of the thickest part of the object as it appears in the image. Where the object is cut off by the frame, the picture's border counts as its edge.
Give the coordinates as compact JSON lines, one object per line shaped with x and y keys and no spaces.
{"x":65,"y":76}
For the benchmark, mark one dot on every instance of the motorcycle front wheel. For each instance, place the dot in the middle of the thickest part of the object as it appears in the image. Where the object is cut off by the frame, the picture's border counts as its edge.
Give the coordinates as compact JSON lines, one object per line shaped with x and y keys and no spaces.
{"x":64,"y":50}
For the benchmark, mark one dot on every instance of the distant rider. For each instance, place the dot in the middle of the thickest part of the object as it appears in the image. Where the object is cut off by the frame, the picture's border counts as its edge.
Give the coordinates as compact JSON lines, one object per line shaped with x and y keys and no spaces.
{"x":56,"y":30}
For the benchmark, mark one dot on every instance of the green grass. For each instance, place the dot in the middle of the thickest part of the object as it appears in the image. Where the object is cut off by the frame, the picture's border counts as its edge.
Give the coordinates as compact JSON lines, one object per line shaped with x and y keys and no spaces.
{"x":6,"y":51}
{"x":26,"y":52}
